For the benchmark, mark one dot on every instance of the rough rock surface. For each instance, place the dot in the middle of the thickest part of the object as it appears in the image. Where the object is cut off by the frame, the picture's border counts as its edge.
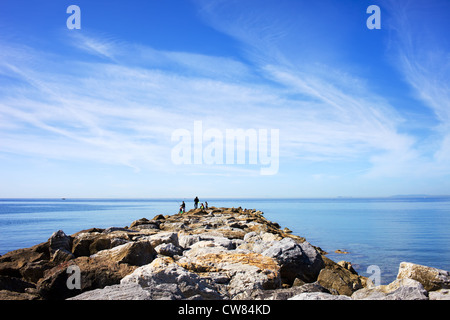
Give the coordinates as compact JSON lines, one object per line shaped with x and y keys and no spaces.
{"x":165,"y":279}
{"x":404,"y":289}
{"x":431,"y":278}
{"x":340,"y":280}
{"x":94,"y":273}
{"x":319,"y":296}
{"x":135,"y":253}
{"x":297,"y":260}
{"x":442,"y":294}
{"x":219,"y":253}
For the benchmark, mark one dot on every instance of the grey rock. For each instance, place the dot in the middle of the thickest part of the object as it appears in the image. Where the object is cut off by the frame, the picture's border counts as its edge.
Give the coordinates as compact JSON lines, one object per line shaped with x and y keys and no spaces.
{"x":164,"y":237}
{"x":148,"y":226}
{"x":431,"y":278}
{"x":130,"y":291}
{"x":240,"y":271}
{"x":59,"y":240}
{"x":319,"y":296}
{"x":164,"y":279}
{"x":202,"y":248}
{"x":283,"y":293}
{"x":442,"y":294}
{"x":402,"y":289}
{"x":186,"y":241}
{"x":169,"y":249}
{"x":114,"y":229}
{"x":296,"y":260}
{"x":245,"y":279}
{"x":248,"y":236}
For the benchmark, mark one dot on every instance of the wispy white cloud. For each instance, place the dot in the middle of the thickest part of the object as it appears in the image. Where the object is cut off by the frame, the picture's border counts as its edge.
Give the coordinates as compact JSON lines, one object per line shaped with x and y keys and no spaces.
{"x":335,"y":115}
{"x":421,"y":52}
{"x":122,"y":108}
{"x":332,"y":115}
{"x":115,"y":111}
{"x":125,"y":113}
{"x":105,"y":47}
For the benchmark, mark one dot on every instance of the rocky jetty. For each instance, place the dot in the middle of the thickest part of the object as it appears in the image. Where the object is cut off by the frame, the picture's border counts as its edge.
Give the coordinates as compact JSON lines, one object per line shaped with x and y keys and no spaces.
{"x":219,"y":253}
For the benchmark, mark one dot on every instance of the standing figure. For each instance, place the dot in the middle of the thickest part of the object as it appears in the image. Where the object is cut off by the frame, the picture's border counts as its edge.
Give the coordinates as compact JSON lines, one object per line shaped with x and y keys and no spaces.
{"x":196,"y":201}
{"x":182,"y":207}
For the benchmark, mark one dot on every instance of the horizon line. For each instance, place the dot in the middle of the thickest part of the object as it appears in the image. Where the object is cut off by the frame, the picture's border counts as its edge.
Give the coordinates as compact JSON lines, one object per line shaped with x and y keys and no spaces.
{"x":231,"y":198}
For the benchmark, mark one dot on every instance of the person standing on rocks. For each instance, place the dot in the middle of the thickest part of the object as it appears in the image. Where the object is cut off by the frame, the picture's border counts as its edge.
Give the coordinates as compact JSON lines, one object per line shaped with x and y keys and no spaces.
{"x":182,"y":207}
{"x":196,"y":201}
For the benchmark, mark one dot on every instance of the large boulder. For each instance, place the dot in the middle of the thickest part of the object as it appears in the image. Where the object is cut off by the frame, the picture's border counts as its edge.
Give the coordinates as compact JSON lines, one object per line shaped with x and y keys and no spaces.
{"x":144,"y":223}
{"x":105,"y":242}
{"x":15,"y":262}
{"x":340,"y":280}
{"x":134,"y":253}
{"x":186,"y":241}
{"x":129,"y":291}
{"x":94,"y":273}
{"x":33,"y":271}
{"x":164,"y":237}
{"x":60,"y":241}
{"x":258,"y":242}
{"x":82,"y":242}
{"x":297,"y":260}
{"x":165,"y":279}
{"x":238,"y":272}
{"x":431,"y":278}
{"x":400,"y":289}
{"x":91,"y":242}
{"x":168,"y":249}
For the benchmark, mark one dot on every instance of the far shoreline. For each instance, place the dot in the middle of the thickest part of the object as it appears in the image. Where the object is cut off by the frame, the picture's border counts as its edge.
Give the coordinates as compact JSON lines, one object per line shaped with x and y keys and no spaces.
{"x":67,"y":198}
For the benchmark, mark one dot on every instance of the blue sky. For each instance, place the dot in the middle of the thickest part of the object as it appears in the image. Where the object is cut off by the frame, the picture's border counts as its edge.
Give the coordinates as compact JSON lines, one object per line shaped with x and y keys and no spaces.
{"x":91,"y":112}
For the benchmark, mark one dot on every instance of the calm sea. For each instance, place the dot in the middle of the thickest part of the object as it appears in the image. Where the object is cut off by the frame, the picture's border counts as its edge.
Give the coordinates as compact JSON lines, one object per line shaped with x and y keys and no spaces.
{"x":382,"y":232}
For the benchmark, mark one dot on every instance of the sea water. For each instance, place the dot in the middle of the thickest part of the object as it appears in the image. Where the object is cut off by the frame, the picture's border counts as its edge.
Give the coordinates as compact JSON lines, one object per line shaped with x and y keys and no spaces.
{"x":381,"y":232}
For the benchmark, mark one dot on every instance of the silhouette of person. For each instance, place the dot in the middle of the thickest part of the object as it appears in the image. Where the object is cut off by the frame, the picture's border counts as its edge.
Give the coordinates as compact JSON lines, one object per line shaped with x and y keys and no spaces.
{"x":196,"y":201}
